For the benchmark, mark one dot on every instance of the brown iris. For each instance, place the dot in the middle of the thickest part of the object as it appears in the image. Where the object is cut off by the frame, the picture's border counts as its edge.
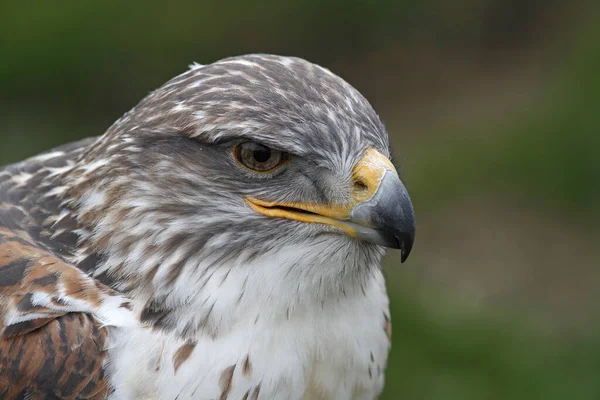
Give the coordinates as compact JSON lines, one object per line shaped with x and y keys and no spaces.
{"x":259,"y":158}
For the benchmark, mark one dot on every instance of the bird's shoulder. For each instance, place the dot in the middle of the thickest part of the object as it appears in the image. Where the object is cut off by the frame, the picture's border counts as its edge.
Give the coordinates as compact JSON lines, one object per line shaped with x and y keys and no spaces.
{"x":53,"y":316}
{"x":52,"y":323}
{"x":30,"y":201}
{"x":62,"y":359}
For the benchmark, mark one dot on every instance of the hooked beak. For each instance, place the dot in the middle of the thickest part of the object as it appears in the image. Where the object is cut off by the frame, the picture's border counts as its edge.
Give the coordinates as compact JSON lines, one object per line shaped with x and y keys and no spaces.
{"x":380,"y":212}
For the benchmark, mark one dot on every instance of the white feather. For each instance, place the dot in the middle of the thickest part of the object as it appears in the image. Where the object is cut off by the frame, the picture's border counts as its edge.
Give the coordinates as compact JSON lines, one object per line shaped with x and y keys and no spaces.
{"x":298,"y":347}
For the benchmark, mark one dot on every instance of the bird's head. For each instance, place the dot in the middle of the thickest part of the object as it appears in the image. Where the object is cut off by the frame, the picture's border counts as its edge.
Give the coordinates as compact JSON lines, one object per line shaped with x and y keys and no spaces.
{"x":241,"y":158}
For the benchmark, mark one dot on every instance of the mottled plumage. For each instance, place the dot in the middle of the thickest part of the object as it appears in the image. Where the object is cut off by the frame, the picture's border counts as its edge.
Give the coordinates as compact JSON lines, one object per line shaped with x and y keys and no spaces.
{"x":153,"y":262}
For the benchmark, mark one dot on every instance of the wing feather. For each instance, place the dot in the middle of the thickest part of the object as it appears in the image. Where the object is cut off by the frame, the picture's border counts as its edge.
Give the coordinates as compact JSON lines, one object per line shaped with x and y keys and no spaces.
{"x":63,"y":359}
{"x":53,"y":324}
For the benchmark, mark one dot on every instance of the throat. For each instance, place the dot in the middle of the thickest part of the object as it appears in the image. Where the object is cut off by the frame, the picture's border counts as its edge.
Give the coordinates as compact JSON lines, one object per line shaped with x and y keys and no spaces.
{"x":209,"y":299}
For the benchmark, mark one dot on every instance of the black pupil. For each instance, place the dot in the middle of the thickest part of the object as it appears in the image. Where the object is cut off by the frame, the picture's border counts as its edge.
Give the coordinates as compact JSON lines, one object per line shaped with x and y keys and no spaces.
{"x":261,"y":154}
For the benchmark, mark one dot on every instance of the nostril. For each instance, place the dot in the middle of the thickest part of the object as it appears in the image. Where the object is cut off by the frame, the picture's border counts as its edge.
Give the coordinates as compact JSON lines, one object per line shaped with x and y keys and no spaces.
{"x":360,"y":186}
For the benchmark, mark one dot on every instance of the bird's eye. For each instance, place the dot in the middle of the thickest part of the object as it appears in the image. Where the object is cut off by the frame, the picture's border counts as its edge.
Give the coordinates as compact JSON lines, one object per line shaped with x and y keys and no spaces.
{"x":259,"y":158}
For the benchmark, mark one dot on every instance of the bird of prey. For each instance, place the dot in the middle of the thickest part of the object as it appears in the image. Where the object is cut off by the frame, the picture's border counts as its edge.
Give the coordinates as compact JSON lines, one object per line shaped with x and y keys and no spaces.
{"x":222,"y":240}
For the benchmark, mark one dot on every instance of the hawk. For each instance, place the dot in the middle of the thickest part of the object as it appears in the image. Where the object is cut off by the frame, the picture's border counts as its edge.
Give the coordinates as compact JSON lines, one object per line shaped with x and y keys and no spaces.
{"x":222,"y":240}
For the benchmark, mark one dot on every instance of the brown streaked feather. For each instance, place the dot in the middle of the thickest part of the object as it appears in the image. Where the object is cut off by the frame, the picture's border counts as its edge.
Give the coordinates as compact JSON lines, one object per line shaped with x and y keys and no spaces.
{"x":51,"y":343}
{"x":36,"y":286}
{"x":63,"y":359}
{"x":45,"y":348}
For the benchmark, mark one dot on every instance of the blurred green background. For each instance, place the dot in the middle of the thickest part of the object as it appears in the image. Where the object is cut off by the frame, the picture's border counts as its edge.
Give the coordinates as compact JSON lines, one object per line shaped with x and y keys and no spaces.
{"x":493,"y":107}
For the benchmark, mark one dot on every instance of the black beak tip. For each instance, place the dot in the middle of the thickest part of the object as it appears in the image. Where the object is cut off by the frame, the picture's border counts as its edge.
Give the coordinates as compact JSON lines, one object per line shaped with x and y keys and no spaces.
{"x":406,"y":244}
{"x":404,"y":255}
